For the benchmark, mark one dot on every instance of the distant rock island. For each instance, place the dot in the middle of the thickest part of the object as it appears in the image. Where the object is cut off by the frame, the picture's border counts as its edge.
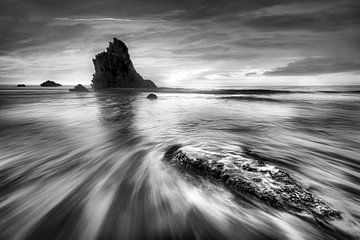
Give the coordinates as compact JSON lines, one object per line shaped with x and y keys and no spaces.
{"x":114,"y":69}
{"x":21,"y":85}
{"x":79,"y":88}
{"x":49,"y":83}
{"x":152,"y":96}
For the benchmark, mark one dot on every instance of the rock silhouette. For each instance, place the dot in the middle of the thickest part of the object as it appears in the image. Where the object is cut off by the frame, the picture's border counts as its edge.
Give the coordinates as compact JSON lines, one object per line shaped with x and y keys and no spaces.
{"x":114,"y":69}
{"x":79,"y":88}
{"x":49,"y":83}
{"x":151,"y":96}
{"x":21,"y":85}
{"x":253,"y":177}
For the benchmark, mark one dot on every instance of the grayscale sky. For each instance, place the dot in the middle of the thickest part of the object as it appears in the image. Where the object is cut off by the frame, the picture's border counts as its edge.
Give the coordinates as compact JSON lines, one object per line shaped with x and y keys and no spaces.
{"x":191,"y":43}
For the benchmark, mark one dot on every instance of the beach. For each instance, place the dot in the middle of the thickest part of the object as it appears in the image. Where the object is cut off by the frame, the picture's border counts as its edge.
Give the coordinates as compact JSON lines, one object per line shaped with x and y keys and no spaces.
{"x":91,"y":165}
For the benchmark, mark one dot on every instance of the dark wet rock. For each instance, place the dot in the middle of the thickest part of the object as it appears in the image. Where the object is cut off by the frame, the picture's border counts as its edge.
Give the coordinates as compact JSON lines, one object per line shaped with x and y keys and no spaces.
{"x":79,"y":88}
{"x":171,"y":150}
{"x":21,"y":85}
{"x":269,"y":184}
{"x":114,"y":69}
{"x":151,"y":96}
{"x":49,"y":83}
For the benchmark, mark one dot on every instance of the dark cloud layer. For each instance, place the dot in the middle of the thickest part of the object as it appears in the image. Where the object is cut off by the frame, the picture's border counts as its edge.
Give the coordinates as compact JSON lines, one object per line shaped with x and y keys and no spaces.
{"x":331,"y":19}
{"x":315,"y":66}
{"x":251,"y":74}
{"x":172,"y":41}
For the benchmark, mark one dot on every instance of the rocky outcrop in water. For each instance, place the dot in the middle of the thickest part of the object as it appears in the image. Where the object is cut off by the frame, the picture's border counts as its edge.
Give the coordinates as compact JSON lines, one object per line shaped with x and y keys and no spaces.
{"x":21,"y":85}
{"x":114,"y":69}
{"x":243,"y":175}
{"x":79,"y":88}
{"x":151,"y":96}
{"x":49,"y":83}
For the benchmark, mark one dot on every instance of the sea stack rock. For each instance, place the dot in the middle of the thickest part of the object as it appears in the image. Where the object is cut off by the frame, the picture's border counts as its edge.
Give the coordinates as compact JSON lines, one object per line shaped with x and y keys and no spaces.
{"x":114,"y":69}
{"x":49,"y":83}
{"x":79,"y":88}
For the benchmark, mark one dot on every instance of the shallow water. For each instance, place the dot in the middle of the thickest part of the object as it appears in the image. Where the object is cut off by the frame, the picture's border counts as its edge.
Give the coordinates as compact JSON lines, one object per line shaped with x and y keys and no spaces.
{"x":90,"y":165}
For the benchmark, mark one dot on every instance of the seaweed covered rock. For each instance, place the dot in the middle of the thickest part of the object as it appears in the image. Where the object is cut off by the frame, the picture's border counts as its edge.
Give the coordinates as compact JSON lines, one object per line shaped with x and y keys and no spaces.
{"x":244,"y":175}
{"x":114,"y":69}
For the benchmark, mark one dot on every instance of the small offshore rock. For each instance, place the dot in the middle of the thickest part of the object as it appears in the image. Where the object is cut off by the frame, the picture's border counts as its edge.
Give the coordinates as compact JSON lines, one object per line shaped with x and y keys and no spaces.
{"x":21,"y":85}
{"x":79,"y":88}
{"x":151,"y":96}
{"x":50,"y":83}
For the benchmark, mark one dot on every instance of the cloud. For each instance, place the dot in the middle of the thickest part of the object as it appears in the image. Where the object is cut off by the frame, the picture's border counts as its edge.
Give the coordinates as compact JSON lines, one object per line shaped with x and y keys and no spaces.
{"x":275,"y":41}
{"x":170,"y":37}
{"x":315,"y":66}
{"x":331,"y":19}
{"x":251,"y":74}
{"x":37,"y":34}
{"x":107,"y":20}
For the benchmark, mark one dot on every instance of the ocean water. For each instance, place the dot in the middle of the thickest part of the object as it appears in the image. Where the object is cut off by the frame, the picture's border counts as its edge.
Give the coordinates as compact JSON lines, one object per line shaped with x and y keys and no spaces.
{"x":90,"y":165}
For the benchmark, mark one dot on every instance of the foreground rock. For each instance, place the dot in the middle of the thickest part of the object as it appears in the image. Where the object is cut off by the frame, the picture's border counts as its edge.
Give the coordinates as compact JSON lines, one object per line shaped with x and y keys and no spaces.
{"x":244,"y":175}
{"x":114,"y":69}
{"x":79,"y":88}
{"x":21,"y":85}
{"x":49,"y":83}
{"x":151,"y":96}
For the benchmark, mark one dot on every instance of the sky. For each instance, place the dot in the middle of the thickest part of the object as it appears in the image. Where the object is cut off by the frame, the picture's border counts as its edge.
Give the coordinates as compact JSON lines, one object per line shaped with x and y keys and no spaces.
{"x":189,"y":43}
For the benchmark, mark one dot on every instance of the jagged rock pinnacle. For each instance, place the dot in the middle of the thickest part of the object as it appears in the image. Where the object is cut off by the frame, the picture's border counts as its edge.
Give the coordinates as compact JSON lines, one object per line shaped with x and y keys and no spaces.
{"x":114,"y":69}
